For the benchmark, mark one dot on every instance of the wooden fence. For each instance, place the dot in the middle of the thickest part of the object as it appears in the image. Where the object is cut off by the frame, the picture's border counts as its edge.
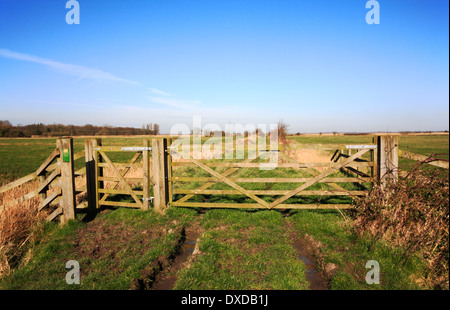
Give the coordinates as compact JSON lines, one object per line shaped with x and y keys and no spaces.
{"x":107,"y":182}
{"x":56,"y":182}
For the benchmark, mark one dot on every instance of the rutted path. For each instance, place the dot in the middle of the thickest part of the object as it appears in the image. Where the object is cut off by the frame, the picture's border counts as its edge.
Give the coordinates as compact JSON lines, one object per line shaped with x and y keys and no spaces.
{"x":315,"y":277}
{"x":165,"y":271}
{"x":189,"y":246}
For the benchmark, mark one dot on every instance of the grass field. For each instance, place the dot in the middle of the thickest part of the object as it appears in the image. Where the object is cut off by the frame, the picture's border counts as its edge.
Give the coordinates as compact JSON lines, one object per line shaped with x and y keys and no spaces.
{"x":236,"y":249}
{"x":21,"y":156}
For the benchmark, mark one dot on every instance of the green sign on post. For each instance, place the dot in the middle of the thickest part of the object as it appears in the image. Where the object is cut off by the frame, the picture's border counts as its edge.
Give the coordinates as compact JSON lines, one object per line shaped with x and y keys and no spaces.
{"x":66,"y":156}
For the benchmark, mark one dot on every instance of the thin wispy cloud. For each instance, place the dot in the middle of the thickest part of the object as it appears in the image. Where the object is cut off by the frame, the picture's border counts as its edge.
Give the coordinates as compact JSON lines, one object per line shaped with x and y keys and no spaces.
{"x":159,"y":92}
{"x":163,"y":98}
{"x":81,"y":72}
{"x":184,"y":104}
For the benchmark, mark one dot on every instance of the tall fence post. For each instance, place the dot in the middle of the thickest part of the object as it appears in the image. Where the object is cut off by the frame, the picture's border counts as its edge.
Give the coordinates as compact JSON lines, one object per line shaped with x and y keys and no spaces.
{"x":91,"y":188}
{"x":159,"y":155}
{"x":165,"y":155}
{"x":387,"y":149}
{"x":374,"y":159}
{"x":98,"y":173}
{"x":67,"y":179}
{"x":146,"y":176}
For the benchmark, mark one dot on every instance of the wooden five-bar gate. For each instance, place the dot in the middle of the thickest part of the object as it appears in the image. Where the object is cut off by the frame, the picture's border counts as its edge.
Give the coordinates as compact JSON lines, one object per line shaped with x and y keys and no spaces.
{"x":149,"y":175}
{"x":141,"y":178}
{"x":236,"y":184}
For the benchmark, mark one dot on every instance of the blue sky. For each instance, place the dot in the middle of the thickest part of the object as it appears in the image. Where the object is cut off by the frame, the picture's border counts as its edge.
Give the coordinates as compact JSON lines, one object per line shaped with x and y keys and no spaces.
{"x":316,"y":65}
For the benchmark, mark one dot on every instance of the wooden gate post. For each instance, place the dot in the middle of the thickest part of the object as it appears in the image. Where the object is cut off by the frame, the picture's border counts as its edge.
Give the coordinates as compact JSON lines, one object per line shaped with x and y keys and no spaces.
{"x":91,"y":178}
{"x":146,"y":176}
{"x":160,"y":178}
{"x":387,"y":149}
{"x":67,"y":179}
{"x":374,"y":159}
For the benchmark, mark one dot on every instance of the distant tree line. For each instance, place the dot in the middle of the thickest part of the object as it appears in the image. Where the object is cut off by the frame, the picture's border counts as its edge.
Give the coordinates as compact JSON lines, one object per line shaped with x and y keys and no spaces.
{"x":54,"y":130}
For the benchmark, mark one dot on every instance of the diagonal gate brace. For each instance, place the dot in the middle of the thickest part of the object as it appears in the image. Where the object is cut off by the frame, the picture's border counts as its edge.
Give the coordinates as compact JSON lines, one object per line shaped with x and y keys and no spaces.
{"x":231,"y":183}
{"x":317,"y":178}
{"x":119,"y":176}
{"x":209,"y":184}
{"x":116,"y":183}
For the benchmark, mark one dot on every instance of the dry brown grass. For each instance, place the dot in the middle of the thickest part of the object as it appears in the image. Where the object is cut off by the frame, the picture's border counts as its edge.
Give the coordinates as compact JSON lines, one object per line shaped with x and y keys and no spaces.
{"x":413,"y":214}
{"x":309,"y":156}
{"x":19,"y":223}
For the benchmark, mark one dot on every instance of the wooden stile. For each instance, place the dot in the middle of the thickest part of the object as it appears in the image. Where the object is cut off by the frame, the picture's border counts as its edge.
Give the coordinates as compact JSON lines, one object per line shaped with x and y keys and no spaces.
{"x":50,"y":198}
{"x":43,"y":194}
{"x":18,"y":182}
{"x":47,"y":162}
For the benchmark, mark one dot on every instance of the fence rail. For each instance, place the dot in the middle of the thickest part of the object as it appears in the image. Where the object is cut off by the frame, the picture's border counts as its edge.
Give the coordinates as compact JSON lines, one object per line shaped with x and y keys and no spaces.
{"x":56,"y":177}
{"x":437,"y":162}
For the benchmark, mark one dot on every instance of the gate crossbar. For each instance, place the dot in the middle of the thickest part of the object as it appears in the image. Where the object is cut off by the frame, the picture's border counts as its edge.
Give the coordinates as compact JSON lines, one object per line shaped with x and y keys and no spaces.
{"x":116,"y":183}
{"x":231,"y":183}
{"x":318,"y":178}
{"x":209,"y":184}
{"x":121,"y":179}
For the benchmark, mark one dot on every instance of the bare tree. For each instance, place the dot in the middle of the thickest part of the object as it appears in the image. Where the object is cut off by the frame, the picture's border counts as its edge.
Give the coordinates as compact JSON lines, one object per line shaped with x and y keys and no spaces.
{"x":155,"y":129}
{"x":282,"y":130}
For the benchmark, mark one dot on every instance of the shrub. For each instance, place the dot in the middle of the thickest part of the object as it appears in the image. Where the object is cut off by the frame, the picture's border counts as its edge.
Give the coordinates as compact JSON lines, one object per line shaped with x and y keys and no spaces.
{"x":413,"y":214}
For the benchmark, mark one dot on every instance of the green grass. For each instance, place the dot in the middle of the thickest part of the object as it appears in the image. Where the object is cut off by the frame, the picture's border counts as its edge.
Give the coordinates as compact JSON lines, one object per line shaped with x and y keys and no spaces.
{"x":127,"y":241}
{"x":338,"y":139}
{"x":425,"y":145}
{"x":244,"y":250}
{"x":343,"y":247}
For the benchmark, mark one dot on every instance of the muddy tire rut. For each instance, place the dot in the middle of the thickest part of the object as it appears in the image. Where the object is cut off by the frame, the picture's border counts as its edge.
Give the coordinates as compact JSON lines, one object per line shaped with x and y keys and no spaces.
{"x":162,"y":274}
{"x":305,"y":252}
